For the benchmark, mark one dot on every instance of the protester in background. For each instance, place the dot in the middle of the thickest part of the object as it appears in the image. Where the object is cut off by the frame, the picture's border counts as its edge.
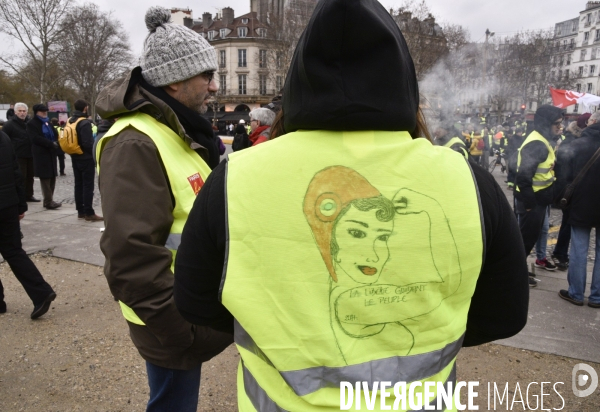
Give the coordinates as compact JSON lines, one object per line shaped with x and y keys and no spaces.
{"x":44,"y":139}
{"x":12,"y":210}
{"x":260,"y":123}
{"x":584,"y":215}
{"x":240,"y":138}
{"x":304,"y":224}
{"x":10,"y":113}
{"x":512,"y":150}
{"x":83,"y":164}
{"x":149,"y":174}
{"x":477,"y":147}
{"x":59,"y":153}
{"x":564,"y":155}
{"x":535,"y":178}
{"x":446,"y":135}
{"x":16,"y":129}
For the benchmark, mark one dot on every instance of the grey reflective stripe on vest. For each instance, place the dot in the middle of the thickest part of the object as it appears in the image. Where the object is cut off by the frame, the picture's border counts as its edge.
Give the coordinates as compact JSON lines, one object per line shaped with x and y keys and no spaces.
{"x":259,"y":398}
{"x":542,"y":170}
{"x":543,"y":182}
{"x":173,"y":241}
{"x":395,"y":369}
{"x":451,"y":379}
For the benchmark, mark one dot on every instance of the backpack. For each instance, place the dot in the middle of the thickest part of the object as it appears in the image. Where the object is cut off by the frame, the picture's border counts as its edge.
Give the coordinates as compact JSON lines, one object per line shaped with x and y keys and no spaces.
{"x":480,"y":144}
{"x":68,"y":139}
{"x":240,"y":141}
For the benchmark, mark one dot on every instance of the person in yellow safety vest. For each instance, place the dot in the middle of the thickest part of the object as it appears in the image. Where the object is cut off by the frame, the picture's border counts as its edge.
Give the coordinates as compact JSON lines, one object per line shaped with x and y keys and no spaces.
{"x":59,"y":153}
{"x":535,"y":176}
{"x":446,"y":135}
{"x":351,"y":243}
{"x":467,"y":134}
{"x":488,"y":140}
{"x":152,"y":163}
{"x":477,"y":147}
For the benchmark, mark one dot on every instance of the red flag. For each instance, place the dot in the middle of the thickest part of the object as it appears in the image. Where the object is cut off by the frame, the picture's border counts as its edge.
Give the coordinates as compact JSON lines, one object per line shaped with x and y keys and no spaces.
{"x":564,"y":98}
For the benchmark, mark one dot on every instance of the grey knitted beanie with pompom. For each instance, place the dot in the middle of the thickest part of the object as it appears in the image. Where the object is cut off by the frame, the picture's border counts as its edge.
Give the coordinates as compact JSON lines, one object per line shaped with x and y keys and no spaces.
{"x":173,"y":53}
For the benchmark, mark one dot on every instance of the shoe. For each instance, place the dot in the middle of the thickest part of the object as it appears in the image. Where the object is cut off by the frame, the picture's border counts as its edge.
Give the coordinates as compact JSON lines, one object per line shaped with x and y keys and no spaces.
{"x":53,"y":205}
{"x":564,"y":294}
{"x":3,"y":306}
{"x":43,"y":307}
{"x":532,"y":282}
{"x":80,"y":216}
{"x":564,"y":266}
{"x":33,"y":199}
{"x":94,"y":218}
{"x":590,"y":304}
{"x":544,"y":263}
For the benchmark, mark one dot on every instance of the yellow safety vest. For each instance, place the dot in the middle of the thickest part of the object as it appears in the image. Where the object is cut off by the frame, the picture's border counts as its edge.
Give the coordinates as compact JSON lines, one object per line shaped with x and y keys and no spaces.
{"x":185,"y":169}
{"x":352,"y":252}
{"x":544,"y":175}
{"x":461,"y":147}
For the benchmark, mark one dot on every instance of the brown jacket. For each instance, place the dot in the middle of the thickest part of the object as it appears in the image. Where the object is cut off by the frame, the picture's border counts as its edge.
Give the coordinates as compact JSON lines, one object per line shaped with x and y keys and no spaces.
{"x":137,"y":205}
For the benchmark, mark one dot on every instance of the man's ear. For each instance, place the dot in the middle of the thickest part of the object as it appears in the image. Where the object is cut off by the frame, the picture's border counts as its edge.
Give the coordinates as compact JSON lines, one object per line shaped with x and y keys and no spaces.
{"x":172,"y":88}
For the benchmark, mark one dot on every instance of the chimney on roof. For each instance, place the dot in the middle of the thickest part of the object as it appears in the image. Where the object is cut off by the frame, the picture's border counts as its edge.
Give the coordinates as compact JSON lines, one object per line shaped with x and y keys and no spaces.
{"x":591,"y":4}
{"x":228,"y":15}
{"x":188,"y":22}
{"x":206,"y":20}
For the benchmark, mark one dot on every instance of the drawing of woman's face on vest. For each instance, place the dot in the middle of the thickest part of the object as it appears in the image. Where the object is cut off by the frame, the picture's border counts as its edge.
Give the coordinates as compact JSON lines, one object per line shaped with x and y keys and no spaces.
{"x":351,"y":223}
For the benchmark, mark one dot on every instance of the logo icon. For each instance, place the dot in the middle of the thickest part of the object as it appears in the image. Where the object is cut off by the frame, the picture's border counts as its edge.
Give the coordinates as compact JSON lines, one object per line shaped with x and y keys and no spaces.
{"x":580,"y":380}
{"x":196,"y":182}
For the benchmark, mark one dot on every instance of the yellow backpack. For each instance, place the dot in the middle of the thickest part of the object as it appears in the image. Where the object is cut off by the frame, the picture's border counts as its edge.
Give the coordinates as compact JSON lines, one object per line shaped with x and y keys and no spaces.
{"x":68,"y":139}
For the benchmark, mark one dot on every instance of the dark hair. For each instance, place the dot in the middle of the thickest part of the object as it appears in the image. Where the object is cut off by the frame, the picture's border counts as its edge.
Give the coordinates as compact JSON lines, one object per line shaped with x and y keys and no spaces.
{"x":277,"y":126}
{"x":54,"y":121}
{"x":80,"y":105}
{"x":385,"y":213}
{"x":421,"y":128}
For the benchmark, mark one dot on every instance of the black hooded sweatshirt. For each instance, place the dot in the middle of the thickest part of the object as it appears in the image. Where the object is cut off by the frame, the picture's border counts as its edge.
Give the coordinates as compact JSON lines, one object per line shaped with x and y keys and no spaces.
{"x":532,"y":155}
{"x":332,"y":85}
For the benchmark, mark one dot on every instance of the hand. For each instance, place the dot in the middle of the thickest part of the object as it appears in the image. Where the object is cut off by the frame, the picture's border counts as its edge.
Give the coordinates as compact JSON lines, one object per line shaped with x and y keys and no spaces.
{"x":22,"y":215}
{"x":528,"y":210}
{"x":56,"y":146}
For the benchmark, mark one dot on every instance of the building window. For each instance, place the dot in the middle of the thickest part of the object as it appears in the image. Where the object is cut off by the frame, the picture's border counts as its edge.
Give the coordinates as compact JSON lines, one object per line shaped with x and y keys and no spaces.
{"x":597,"y":35}
{"x":211,"y":35}
{"x":559,"y":74}
{"x":278,"y":60}
{"x":578,"y":87}
{"x":242,"y":84}
{"x":242,"y":31}
{"x":532,"y":89}
{"x":262,"y":84}
{"x":222,"y":59}
{"x":572,"y":44}
{"x":567,"y":74}
{"x":586,"y":36}
{"x":530,"y":105}
{"x":583,"y":53}
{"x":589,"y":87}
{"x":279,"y":83}
{"x":580,"y":70}
{"x":262,"y":32}
{"x":222,"y":33}
{"x":592,"y":70}
{"x":241,"y":57}
{"x":262,"y":59}
{"x":244,"y":21}
{"x":223,"y":84}
{"x":576,"y":108}
{"x":568,"y":59}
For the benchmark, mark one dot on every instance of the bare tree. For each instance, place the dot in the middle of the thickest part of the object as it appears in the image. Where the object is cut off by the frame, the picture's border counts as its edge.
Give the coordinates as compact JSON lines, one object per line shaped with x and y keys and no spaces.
{"x":35,"y":25}
{"x":94,"y":50}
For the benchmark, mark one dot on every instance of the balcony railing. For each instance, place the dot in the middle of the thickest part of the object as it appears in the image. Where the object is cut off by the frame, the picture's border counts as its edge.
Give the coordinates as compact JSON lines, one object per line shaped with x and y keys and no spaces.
{"x":233,"y":92}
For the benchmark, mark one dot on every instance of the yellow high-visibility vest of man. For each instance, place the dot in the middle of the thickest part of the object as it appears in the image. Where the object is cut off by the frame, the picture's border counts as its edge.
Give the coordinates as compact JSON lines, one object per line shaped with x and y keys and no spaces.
{"x":544,"y":174}
{"x":362,"y":253}
{"x":185,"y":169}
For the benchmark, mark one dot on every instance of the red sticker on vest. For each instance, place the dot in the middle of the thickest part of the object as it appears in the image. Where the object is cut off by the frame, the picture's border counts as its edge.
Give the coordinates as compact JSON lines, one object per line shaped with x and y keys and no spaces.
{"x":196,"y":182}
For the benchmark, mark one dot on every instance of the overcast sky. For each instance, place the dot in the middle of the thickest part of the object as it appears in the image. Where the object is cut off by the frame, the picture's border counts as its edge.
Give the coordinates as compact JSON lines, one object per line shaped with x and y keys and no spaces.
{"x":503,"y":17}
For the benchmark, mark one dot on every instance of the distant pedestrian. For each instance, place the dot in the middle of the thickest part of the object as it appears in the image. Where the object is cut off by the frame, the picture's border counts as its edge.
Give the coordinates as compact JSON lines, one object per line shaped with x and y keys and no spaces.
{"x":10,"y":113}
{"x":584,"y":215}
{"x":44,"y":139}
{"x":16,"y":129}
{"x":83,"y":164}
{"x":59,"y":153}
{"x":240,"y":138}
{"x":261,"y":120}
{"x":12,"y":210}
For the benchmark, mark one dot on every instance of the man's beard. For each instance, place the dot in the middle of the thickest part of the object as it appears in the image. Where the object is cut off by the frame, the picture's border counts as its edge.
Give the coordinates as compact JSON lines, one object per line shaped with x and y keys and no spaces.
{"x":193,"y":100}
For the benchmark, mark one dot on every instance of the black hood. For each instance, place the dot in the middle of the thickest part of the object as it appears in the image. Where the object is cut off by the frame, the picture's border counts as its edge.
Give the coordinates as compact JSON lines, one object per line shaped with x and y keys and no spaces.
{"x":544,"y":117}
{"x":351,"y":71}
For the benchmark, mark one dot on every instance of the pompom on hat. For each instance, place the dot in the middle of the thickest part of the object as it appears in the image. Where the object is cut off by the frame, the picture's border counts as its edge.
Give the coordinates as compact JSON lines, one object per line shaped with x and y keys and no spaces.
{"x":173,"y":53}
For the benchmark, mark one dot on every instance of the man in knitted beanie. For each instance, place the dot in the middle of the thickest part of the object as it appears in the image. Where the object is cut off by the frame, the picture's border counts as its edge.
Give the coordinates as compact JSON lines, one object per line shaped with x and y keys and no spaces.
{"x":152,"y":163}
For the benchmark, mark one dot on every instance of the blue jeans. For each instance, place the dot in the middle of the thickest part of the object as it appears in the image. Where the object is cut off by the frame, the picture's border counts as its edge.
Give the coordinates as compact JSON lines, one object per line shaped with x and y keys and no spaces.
{"x":542,"y":243}
{"x":173,"y":389}
{"x":580,"y":242}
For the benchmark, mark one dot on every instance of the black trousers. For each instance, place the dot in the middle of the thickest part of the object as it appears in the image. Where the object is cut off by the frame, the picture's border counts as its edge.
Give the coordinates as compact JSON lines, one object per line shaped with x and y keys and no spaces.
{"x":61,"y":163}
{"x":530,"y":223}
{"x":12,"y":251}
{"x":84,"y":173}
{"x":26,"y":167}
{"x":561,"y":250}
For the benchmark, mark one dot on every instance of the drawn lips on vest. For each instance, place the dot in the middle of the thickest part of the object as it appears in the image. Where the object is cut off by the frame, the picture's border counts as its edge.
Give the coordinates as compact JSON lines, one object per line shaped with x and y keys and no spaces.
{"x":367,"y":270}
